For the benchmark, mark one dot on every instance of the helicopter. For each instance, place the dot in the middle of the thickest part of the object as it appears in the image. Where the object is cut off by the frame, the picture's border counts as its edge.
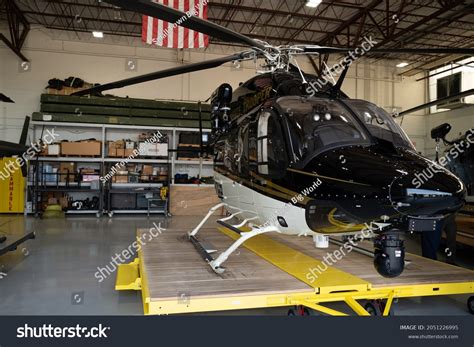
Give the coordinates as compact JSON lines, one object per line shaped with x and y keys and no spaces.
{"x":294,"y":160}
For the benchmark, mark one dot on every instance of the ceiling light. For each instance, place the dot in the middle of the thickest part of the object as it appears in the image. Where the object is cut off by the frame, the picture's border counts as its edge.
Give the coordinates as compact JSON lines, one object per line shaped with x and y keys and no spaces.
{"x":254,"y":29}
{"x":402,"y":64}
{"x":313,"y":3}
{"x":98,"y":34}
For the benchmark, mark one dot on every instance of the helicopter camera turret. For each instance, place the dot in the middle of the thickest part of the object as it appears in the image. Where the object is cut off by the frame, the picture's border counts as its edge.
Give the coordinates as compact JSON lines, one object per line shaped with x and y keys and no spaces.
{"x":389,"y":255}
{"x":440,"y":131}
{"x":220,"y":101}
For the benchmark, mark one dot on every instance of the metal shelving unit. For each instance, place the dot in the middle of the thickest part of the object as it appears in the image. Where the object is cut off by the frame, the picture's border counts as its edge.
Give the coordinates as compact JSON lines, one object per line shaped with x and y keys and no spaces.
{"x":39,"y":186}
{"x":137,"y":189}
{"x":102,"y":132}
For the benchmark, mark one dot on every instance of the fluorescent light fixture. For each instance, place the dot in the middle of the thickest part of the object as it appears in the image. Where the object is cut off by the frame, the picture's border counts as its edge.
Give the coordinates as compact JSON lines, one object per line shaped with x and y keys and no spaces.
{"x":402,"y":64}
{"x":313,"y":3}
{"x":98,"y":34}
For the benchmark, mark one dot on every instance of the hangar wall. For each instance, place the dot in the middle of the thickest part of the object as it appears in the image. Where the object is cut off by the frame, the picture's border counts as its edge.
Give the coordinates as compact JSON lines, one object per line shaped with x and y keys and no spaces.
{"x":59,"y":54}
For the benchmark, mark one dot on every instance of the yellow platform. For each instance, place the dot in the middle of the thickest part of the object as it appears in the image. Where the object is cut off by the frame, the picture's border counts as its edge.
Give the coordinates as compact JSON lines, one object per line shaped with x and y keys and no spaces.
{"x":271,"y":271}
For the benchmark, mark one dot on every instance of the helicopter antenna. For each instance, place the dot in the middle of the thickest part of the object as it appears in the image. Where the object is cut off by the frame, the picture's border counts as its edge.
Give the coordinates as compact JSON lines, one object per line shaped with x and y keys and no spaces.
{"x":336,"y":89}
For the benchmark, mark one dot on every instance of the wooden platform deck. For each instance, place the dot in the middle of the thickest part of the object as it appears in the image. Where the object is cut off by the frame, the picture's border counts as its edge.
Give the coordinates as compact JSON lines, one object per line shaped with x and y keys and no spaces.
{"x":173,"y":275}
{"x":173,"y":267}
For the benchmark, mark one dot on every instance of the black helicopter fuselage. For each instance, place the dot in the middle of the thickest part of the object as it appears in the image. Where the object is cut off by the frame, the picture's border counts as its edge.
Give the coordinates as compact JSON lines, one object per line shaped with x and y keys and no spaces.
{"x":344,"y":162}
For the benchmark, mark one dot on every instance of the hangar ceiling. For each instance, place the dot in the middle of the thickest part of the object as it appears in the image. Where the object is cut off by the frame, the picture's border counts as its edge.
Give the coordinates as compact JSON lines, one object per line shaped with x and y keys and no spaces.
{"x":392,"y":23}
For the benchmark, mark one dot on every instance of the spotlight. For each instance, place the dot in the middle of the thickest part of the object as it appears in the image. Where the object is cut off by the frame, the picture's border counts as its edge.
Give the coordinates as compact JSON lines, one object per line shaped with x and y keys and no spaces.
{"x":402,"y":64}
{"x":98,"y":34}
{"x":313,"y":3}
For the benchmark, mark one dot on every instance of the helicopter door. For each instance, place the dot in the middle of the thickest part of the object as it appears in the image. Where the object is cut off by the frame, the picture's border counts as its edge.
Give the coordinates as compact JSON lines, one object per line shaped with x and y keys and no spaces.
{"x":272,"y":156}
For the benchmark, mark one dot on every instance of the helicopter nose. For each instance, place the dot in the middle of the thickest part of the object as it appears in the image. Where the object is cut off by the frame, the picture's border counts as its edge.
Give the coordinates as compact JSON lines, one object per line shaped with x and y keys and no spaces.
{"x":429,"y":192}
{"x":381,"y":183}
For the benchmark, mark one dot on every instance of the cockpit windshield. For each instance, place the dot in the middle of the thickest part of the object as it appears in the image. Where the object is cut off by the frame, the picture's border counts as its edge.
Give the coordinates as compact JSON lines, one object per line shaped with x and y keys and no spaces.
{"x":318,"y":124}
{"x":379,"y":123}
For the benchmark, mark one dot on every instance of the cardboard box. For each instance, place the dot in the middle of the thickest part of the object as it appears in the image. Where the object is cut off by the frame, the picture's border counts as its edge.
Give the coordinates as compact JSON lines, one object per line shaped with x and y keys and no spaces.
{"x":88,"y":171}
{"x":120,"y":152}
{"x":112,"y":152}
{"x":153,"y":149}
{"x":64,"y":170}
{"x":64,"y":202}
{"x":86,"y":148}
{"x":120,"y":177}
{"x":147,"y":170}
{"x":64,"y":91}
{"x":117,"y":144}
{"x":53,"y":149}
{"x":146,"y":136}
{"x":147,"y":173}
{"x":44,"y":151}
{"x":146,"y":149}
{"x":129,"y":145}
{"x":128,"y":152}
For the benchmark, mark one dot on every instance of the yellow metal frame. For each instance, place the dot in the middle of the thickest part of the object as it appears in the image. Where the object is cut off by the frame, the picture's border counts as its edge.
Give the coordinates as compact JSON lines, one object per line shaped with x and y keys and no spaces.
{"x":308,"y":298}
{"x":133,"y":277}
{"x":128,"y":276}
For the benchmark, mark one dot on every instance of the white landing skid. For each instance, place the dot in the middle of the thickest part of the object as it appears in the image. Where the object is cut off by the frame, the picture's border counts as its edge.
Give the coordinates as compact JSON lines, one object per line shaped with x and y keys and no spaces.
{"x":216,"y":264}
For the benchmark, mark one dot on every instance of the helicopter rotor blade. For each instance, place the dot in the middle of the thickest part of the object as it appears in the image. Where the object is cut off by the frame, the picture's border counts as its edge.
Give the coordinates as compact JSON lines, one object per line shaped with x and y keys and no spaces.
{"x":335,"y":50}
{"x":8,"y":149}
{"x":186,"y":20}
{"x":5,"y":98}
{"x":24,"y":131}
{"x":174,"y":71}
{"x":436,"y":102}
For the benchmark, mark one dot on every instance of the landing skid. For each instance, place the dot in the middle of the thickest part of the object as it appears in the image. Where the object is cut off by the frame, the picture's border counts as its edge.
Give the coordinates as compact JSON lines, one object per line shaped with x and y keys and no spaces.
{"x":216,"y":264}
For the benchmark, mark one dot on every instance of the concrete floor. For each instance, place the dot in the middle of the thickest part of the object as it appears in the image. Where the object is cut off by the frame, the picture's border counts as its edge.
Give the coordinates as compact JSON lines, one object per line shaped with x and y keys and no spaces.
{"x":54,"y":274}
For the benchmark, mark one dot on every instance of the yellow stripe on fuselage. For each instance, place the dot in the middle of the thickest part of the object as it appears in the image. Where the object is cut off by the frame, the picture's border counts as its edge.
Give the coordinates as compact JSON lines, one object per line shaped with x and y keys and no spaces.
{"x":326,"y":177}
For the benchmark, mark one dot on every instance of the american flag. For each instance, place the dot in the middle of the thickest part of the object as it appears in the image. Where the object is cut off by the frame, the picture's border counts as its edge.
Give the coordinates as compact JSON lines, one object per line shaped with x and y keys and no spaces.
{"x":172,"y":35}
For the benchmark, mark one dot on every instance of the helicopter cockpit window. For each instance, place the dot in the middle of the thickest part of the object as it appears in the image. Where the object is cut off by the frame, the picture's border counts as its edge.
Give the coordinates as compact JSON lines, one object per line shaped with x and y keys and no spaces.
{"x":379,"y":123}
{"x":319,"y":124}
{"x":272,"y":156}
